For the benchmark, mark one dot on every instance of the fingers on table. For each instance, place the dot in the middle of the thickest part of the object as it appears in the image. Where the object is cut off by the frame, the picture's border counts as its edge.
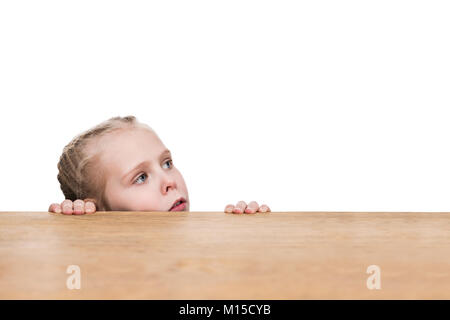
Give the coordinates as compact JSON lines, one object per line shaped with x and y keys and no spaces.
{"x":74,"y":207}
{"x":67,"y":207}
{"x":89,"y":206}
{"x":239,"y":208}
{"x":229,"y":208}
{"x":242,"y":207}
{"x":78,"y":207}
{"x":55,"y":207}
{"x":264,"y":208}
{"x":252,"y":207}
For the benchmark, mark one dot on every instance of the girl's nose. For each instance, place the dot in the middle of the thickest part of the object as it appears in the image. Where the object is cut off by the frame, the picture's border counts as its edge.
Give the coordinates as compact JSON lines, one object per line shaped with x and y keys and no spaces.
{"x":168,"y":183}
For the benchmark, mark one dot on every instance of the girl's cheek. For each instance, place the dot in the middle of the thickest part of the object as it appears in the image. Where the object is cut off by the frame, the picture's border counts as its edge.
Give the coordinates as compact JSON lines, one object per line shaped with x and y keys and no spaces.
{"x":145,"y":196}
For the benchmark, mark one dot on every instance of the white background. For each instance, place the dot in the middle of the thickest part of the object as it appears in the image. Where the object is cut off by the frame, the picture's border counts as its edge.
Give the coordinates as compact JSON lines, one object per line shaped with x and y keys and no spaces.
{"x":302,"y":105}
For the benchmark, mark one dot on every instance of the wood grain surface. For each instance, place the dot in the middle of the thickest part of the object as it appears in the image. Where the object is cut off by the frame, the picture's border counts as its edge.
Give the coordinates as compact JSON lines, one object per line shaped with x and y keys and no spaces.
{"x":214,"y":255}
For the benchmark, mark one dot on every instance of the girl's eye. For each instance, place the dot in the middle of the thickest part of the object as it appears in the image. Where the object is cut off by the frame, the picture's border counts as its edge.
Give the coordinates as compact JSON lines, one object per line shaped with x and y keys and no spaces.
{"x":170,"y":162}
{"x":139,"y":180}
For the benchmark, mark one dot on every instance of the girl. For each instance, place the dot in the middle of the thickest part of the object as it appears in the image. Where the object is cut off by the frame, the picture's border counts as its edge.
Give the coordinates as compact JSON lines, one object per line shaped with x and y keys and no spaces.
{"x":122,"y":165}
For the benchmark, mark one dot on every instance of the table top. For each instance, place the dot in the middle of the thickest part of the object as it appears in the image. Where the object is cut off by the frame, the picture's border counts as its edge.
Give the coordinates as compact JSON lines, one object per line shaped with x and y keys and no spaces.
{"x":215,"y":255}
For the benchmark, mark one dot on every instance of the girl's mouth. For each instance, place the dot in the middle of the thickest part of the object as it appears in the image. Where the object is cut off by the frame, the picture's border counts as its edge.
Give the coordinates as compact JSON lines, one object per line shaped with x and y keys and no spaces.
{"x":179,"y":205}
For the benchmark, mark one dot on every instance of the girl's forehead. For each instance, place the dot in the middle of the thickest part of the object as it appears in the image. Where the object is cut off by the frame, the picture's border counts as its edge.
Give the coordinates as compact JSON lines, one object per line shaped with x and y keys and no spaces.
{"x":120,"y":149}
{"x":131,"y":137}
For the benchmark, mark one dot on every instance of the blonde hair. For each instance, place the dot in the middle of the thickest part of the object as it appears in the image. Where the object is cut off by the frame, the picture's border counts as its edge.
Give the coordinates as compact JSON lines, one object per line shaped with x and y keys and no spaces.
{"x":79,"y":174}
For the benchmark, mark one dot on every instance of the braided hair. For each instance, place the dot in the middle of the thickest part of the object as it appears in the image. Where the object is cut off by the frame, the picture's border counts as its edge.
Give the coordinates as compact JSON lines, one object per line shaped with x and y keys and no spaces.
{"x":79,"y":173}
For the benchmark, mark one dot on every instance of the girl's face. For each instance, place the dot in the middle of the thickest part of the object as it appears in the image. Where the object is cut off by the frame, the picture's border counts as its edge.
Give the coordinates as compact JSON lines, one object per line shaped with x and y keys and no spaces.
{"x":140,"y":175}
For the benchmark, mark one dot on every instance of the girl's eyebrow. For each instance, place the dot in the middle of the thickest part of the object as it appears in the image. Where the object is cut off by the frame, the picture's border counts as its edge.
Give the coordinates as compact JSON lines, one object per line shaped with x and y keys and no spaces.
{"x":144,"y":163}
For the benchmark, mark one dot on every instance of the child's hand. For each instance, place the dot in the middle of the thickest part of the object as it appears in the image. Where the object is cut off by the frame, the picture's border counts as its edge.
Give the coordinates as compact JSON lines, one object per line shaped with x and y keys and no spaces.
{"x":242,"y":207}
{"x":75,"y":207}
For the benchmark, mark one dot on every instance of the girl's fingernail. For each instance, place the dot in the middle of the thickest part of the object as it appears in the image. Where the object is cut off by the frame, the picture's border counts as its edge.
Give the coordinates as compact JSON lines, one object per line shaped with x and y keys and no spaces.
{"x":57,"y":210}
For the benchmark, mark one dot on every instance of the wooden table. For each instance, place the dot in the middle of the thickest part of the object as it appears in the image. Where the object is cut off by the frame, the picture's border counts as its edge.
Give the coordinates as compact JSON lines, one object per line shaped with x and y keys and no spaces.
{"x":214,"y":255}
